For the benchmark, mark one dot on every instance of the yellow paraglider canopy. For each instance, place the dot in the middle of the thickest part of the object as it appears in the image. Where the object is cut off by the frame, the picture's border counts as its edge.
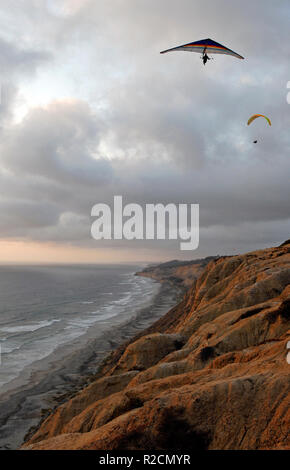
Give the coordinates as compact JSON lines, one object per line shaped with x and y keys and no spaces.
{"x":256,"y":116}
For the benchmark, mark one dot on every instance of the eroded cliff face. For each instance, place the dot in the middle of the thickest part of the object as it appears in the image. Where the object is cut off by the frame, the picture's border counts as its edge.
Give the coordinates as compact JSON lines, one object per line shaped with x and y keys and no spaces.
{"x":211,"y":374}
{"x":181,"y":273}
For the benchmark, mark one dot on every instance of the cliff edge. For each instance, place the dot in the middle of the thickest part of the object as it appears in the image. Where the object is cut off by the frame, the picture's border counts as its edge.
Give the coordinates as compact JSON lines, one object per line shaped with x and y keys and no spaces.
{"x":211,"y":374}
{"x":179,"y":273}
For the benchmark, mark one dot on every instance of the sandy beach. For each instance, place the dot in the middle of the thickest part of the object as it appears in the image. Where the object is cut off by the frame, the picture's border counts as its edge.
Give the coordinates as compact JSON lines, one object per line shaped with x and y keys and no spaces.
{"x":66,"y":371}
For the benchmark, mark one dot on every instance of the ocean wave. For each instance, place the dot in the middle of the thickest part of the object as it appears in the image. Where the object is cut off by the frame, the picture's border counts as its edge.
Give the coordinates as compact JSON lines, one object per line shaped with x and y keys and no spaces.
{"x":28,"y":328}
{"x":6,"y":348}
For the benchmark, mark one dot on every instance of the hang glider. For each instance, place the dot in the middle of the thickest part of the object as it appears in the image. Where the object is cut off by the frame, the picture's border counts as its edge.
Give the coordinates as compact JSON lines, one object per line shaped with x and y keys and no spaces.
{"x":256,"y":116}
{"x":205,"y":46}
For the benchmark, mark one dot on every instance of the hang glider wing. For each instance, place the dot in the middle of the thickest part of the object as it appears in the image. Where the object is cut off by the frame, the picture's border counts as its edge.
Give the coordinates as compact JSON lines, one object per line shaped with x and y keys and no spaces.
{"x":204,"y":46}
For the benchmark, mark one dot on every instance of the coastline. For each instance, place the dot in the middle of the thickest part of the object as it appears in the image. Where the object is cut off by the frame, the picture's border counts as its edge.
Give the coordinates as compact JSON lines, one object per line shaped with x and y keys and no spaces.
{"x":23,"y":409}
{"x":175,"y":384}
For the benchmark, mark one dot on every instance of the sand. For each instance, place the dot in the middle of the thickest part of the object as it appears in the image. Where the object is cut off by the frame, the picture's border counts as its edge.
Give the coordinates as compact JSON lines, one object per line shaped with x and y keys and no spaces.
{"x":30,"y":397}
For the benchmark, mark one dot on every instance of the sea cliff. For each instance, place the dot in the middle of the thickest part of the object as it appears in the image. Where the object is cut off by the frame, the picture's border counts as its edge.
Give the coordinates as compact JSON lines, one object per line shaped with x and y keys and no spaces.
{"x":210,"y":374}
{"x":178,"y":273}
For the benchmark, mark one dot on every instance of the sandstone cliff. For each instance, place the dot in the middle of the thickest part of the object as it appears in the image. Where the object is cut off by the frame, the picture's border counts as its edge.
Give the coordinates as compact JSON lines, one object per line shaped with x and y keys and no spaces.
{"x":181,"y":273}
{"x":211,"y":374}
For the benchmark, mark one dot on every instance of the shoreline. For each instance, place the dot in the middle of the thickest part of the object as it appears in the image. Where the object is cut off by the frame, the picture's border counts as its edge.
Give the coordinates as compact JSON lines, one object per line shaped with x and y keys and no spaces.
{"x":175,"y":384}
{"x":23,"y":409}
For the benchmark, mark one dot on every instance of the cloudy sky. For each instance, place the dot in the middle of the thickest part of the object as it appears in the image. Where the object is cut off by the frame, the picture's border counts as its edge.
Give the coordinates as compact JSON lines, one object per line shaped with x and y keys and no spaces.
{"x":90,"y":109}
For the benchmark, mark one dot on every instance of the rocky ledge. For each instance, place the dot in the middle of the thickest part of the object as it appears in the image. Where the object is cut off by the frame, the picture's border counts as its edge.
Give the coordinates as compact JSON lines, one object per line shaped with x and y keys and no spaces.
{"x":211,"y":374}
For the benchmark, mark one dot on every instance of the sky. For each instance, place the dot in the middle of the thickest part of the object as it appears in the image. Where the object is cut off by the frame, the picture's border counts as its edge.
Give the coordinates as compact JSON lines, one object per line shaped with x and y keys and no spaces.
{"x":90,"y":109}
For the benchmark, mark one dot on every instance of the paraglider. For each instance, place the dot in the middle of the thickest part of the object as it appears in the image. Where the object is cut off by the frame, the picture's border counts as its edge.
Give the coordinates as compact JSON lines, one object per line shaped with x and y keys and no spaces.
{"x":205,"y":46}
{"x":256,"y":116}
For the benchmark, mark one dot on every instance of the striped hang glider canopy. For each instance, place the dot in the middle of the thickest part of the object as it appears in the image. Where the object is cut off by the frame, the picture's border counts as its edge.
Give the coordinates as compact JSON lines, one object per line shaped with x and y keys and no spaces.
{"x":205,"y":46}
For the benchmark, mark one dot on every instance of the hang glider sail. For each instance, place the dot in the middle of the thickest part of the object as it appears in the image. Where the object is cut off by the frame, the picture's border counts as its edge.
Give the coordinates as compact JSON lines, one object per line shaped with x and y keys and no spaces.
{"x":256,"y":116}
{"x":205,"y":46}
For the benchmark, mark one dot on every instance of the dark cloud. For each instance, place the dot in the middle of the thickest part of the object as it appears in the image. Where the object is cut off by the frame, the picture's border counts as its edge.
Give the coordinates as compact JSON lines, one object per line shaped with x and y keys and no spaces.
{"x":15,"y":60}
{"x":152,"y":128}
{"x":16,"y":64}
{"x":57,"y":143}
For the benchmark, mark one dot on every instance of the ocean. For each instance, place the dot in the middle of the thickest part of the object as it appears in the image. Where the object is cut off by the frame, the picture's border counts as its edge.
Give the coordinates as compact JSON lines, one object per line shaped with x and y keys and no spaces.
{"x":57,"y":323}
{"x":45,"y":307}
